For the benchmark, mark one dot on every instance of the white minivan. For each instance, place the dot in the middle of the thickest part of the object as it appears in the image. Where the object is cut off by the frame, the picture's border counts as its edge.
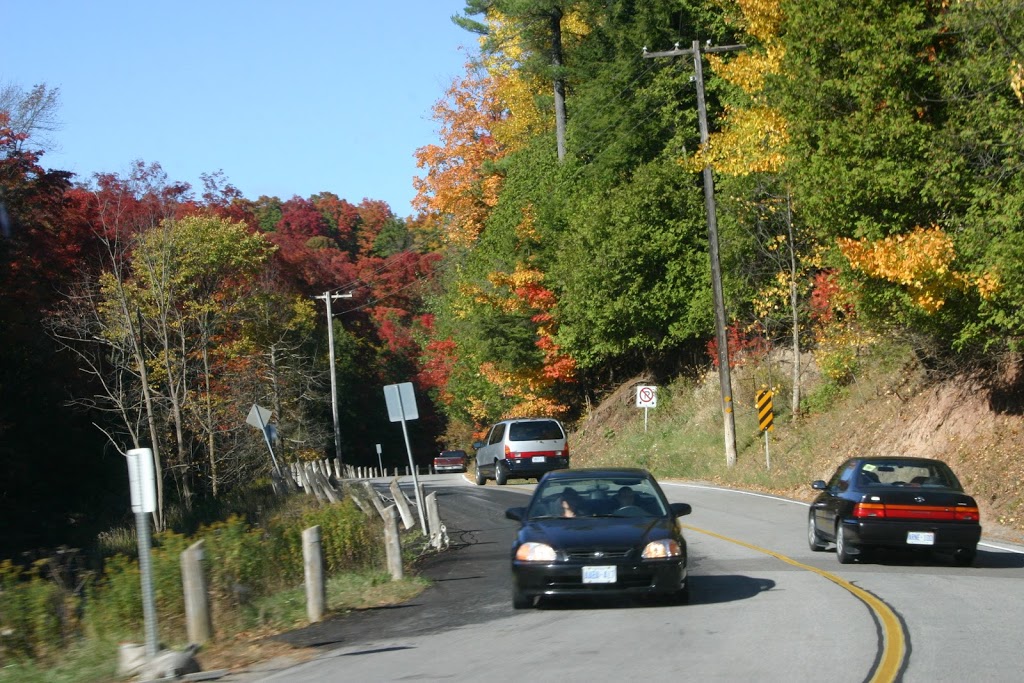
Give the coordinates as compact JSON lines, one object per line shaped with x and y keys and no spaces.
{"x":521,"y":448}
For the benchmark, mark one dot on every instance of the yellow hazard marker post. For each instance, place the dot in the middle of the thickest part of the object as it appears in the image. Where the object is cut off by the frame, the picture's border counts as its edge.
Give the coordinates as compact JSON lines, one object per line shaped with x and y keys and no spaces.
{"x":765,"y":418}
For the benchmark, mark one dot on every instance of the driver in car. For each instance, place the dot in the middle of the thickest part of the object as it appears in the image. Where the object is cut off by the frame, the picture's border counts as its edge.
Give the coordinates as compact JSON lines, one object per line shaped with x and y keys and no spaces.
{"x":625,"y":497}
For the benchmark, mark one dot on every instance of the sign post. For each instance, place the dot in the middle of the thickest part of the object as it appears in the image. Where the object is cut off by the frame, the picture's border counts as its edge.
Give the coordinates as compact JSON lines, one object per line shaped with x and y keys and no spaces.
{"x":765,"y":419}
{"x":646,"y":397}
{"x":380,"y":463}
{"x":258,"y":416}
{"x":142,"y":482}
{"x":401,"y":407}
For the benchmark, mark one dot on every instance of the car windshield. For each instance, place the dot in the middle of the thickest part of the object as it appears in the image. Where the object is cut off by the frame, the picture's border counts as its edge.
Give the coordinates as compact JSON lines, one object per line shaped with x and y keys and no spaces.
{"x":588,"y":497}
{"x":535,"y":431}
{"x":908,"y":473}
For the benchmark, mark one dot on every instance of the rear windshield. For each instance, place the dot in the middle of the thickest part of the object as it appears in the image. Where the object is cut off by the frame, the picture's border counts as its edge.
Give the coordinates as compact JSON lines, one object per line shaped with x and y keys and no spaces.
{"x":909,"y":473}
{"x":535,"y":431}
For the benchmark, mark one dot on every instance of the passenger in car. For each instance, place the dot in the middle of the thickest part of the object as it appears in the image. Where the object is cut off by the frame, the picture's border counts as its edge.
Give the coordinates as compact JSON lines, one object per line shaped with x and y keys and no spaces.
{"x":571,"y":503}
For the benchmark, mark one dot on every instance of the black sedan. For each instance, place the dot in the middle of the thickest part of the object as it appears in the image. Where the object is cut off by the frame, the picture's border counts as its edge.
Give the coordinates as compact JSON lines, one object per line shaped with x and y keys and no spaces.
{"x":598,"y":532}
{"x":894,"y":502}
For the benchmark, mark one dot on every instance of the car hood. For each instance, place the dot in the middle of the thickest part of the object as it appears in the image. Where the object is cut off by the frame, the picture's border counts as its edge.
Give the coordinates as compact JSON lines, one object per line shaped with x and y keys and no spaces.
{"x":591,"y":532}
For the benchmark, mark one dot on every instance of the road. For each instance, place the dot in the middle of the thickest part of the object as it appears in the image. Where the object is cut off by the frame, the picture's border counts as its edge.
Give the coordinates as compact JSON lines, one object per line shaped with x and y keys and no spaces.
{"x":764,"y":607}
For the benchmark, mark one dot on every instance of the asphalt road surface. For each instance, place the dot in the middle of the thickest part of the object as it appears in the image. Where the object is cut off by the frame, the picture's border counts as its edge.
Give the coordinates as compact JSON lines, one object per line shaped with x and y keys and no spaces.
{"x":763,"y":607}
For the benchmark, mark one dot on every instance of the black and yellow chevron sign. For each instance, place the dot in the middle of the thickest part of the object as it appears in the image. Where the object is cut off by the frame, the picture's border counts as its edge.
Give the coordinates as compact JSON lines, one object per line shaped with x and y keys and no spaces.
{"x":765,"y":416}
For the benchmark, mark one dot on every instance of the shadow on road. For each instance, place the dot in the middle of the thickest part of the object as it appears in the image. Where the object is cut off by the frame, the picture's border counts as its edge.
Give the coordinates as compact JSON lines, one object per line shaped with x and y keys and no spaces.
{"x":986,"y":559}
{"x":704,"y":590}
{"x":718,"y":588}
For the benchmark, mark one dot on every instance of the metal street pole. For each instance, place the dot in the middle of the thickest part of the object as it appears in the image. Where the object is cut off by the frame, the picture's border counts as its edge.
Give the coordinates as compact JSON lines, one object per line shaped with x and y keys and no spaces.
{"x":724,"y":376}
{"x":328,"y":297}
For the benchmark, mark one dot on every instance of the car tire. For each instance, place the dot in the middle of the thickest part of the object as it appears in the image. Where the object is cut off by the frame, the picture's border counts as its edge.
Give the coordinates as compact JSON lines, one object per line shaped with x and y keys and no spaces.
{"x":500,"y":473}
{"x":521,"y":601}
{"x":480,"y":478}
{"x":964,"y":557}
{"x":844,"y":552}
{"x":813,"y":538}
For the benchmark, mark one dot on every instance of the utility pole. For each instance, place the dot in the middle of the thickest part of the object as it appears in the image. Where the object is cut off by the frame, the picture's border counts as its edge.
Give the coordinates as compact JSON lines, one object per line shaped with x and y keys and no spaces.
{"x":716,"y":270}
{"x":328,"y":297}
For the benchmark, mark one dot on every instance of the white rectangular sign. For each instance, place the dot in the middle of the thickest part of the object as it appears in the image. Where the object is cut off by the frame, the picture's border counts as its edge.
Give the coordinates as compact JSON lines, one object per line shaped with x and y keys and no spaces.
{"x":142,"y":479}
{"x":401,"y":402}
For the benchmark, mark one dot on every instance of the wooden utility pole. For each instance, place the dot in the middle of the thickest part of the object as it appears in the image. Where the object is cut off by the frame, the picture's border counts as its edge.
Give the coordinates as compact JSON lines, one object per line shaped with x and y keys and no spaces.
{"x":716,"y":271}
{"x":328,"y":297}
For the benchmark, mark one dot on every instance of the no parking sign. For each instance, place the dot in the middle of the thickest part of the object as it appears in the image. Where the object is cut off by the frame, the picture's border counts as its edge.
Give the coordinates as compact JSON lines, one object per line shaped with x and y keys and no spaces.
{"x":646,"y":396}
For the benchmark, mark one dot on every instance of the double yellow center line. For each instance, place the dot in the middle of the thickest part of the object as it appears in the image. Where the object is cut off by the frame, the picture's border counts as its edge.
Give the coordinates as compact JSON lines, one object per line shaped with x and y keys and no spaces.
{"x":894,"y":644}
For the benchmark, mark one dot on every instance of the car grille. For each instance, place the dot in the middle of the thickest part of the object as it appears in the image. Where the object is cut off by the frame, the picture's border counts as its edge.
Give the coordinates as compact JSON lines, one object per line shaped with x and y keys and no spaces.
{"x":590,"y":555}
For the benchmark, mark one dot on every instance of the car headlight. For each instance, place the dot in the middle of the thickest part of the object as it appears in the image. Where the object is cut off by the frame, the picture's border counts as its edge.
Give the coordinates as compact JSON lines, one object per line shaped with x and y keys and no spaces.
{"x":666,"y":547}
{"x":535,"y":552}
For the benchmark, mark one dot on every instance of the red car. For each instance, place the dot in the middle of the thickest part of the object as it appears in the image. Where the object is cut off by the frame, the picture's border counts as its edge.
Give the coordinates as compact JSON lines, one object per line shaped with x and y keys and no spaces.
{"x":450,"y":461}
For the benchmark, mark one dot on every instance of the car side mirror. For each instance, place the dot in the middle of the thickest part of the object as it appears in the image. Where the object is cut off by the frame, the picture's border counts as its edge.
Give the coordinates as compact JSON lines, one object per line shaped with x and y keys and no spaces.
{"x":516,"y":513}
{"x":819,"y":485}
{"x":478,"y":444}
{"x":680,"y":509}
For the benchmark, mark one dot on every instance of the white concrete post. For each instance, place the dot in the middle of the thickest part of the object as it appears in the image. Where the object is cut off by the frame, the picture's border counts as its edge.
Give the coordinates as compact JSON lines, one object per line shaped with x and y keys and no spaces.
{"x":198,"y":625}
{"x":313,"y":564}
{"x":393,"y":544}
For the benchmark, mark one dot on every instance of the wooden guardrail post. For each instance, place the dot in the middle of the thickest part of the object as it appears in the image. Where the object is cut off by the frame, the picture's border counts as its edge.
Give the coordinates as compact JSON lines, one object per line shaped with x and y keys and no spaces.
{"x":313,"y":565}
{"x":374,"y":498}
{"x":393,"y":543}
{"x":198,"y":625}
{"x":403,"y":504}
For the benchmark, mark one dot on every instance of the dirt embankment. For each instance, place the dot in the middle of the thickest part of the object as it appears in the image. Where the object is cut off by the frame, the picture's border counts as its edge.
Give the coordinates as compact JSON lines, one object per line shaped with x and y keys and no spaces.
{"x":974,"y":423}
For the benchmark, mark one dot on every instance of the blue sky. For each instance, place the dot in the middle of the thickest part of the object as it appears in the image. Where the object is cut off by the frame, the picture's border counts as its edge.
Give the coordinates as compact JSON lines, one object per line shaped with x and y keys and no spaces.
{"x":285,"y":98}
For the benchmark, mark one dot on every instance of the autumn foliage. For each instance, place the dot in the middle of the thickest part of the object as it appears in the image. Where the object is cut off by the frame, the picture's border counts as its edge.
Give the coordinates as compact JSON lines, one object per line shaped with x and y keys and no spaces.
{"x":920,"y":261}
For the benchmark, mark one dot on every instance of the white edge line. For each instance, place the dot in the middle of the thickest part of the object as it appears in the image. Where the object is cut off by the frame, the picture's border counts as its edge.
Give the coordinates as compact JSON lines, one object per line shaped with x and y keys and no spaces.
{"x":1008,"y":549}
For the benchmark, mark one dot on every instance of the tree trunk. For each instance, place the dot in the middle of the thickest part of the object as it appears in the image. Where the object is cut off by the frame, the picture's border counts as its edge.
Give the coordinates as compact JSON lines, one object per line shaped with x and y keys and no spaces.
{"x":556,"y":63}
{"x":793,"y":303}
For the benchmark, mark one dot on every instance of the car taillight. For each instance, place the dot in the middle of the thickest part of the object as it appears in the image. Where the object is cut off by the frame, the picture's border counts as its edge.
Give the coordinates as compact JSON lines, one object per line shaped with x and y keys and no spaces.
{"x":875,"y":510}
{"x":967,"y":514}
{"x":936,"y":512}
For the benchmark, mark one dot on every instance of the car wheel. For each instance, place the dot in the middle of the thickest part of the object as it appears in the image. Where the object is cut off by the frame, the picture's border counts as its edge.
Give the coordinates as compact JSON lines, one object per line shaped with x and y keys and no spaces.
{"x":480,"y":478}
{"x":844,"y":552}
{"x":500,"y":473}
{"x":521,"y":601}
{"x":964,"y":557}
{"x":813,"y":539}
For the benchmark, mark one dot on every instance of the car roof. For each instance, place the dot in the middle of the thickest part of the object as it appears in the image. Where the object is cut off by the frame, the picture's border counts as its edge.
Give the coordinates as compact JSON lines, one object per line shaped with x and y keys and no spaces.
{"x":598,"y":472}
{"x":893,"y":458}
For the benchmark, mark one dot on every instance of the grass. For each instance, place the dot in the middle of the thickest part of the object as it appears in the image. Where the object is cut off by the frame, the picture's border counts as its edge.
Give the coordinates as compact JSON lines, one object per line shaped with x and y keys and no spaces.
{"x":91,"y":660}
{"x":95,"y":661}
{"x":286,"y":610}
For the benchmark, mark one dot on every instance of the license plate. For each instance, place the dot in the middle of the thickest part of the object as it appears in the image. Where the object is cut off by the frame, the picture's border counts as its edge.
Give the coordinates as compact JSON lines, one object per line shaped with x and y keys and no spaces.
{"x":920,"y":538}
{"x":539,"y":458}
{"x":599,"y":574}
